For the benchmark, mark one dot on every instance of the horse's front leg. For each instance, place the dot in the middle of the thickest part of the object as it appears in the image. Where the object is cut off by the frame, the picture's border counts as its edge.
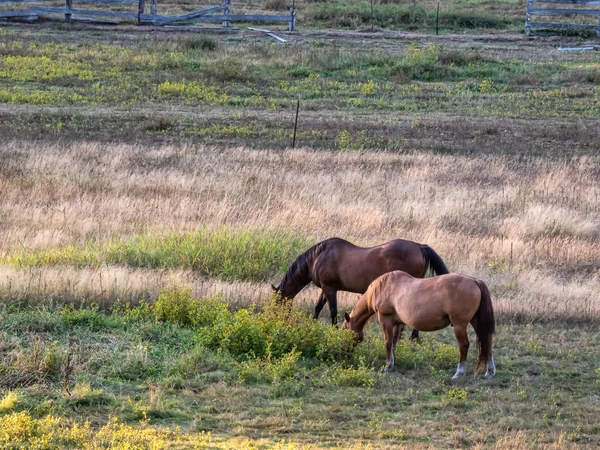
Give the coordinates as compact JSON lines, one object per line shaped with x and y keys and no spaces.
{"x":460,"y":332}
{"x":320,"y":304}
{"x":331,"y":297}
{"x":391,"y":334}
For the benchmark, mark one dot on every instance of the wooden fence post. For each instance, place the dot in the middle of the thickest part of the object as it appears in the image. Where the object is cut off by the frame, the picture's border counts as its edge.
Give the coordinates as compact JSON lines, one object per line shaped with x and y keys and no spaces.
{"x":528,"y":17}
{"x":227,"y":12}
{"x":598,"y":30}
{"x":296,"y":122}
{"x":141,"y":6}
{"x":292,"y":22}
{"x":68,"y":7}
{"x":153,"y":7}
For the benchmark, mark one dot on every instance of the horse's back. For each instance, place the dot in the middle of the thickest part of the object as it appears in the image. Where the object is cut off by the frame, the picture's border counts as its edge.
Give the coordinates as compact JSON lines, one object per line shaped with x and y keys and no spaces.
{"x":428,"y":304}
{"x":341,"y":265}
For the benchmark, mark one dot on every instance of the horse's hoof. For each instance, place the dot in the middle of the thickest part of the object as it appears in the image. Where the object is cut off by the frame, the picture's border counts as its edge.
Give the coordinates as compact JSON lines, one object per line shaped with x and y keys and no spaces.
{"x":388,"y":370}
{"x":458,"y":375}
{"x":489,"y":375}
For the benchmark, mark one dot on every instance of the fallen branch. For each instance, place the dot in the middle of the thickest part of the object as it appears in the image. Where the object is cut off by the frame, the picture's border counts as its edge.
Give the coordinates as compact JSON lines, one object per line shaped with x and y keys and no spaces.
{"x":268,"y":33}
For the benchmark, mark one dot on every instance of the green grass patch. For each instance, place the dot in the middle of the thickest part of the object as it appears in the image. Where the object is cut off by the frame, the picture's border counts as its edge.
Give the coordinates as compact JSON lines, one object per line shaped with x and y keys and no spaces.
{"x":355,"y":15}
{"x":139,"y":375}
{"x":247,"y":255}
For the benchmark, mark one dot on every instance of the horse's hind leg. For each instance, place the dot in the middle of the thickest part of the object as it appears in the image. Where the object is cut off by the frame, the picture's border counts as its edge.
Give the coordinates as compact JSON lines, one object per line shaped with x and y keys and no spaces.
{"x":460,"y":332}
{"x":397,"y":333}
{"x":320,"y":304}
{"x":414,"y":335}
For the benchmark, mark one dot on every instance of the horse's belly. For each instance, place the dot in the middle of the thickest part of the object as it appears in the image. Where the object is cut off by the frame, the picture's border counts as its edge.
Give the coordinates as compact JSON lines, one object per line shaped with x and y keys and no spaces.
{"x":429,"y":323}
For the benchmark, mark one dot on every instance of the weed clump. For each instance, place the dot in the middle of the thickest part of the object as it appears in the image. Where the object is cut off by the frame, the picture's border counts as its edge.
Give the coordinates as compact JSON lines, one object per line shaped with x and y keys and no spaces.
{"x":9,"y":401}
{"x":198,"y":43}
{"x":276,"y":5}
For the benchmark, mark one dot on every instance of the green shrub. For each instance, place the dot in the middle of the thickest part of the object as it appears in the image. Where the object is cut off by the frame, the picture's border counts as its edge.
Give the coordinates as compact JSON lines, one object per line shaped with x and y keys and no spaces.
{"x":175,"y":305}
{"x":269,"y":370}
{"x":335,"y":344}
{"x":88,"y":317}
{"x":240,"y":333}
{"x":132,"y":314}
{"x":208,"y":310}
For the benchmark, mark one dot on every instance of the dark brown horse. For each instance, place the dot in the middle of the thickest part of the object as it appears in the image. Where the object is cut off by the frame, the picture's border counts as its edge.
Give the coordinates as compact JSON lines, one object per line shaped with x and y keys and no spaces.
{"x":338,"y":265}
{"x":429,"y":305}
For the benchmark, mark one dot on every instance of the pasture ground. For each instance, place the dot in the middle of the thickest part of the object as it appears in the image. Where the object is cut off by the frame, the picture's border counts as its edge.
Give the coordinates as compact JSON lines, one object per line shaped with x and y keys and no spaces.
{"x":132,"y":160}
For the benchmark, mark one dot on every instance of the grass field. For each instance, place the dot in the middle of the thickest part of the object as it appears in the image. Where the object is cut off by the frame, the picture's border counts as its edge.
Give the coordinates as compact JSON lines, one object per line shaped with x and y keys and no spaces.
{"x":138,"y":165}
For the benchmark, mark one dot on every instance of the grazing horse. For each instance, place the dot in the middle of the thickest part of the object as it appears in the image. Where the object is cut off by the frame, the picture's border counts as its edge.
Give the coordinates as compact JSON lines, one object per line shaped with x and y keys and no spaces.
{"x":429,"y":305}
{"x":338,"y":265}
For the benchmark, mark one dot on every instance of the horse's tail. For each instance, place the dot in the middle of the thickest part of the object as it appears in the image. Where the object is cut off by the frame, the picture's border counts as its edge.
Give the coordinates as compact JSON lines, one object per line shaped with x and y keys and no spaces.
{"x":485,"y":326}
{"x":433,"y":262}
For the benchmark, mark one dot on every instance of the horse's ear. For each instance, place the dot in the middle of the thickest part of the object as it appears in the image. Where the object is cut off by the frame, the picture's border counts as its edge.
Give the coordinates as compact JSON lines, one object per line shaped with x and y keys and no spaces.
{"x":347,"y":317}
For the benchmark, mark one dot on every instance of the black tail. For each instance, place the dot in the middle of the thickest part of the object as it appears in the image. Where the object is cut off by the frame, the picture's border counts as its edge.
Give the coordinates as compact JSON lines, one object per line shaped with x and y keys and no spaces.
{"x":484,"y":325}
{"x":433,"y":262}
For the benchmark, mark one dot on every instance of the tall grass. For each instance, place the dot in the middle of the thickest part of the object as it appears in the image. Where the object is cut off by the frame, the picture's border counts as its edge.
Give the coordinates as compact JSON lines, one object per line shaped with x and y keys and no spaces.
{"x":230,"y":254}
{"x":529,"y":229}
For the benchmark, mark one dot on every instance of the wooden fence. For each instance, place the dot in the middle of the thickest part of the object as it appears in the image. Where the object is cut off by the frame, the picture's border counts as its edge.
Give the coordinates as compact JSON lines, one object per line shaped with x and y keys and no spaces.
{"x":78,"y":14}
{"x":577,"y":9}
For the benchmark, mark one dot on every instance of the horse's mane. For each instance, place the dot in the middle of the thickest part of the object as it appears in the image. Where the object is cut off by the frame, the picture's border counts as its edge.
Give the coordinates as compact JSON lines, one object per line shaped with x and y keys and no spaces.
{"x":374,"y":290}
{"x":298,"y":271}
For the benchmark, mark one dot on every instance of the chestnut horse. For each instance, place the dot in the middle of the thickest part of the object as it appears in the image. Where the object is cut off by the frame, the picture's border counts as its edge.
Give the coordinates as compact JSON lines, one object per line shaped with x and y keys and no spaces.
{"x":338,"y":265}
{"x":429,"y":305}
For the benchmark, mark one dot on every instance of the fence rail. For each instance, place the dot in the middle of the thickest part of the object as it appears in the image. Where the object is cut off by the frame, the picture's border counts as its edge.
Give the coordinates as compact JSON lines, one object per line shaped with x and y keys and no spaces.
{"x":205,"y":15}
{"x":535,"y":11}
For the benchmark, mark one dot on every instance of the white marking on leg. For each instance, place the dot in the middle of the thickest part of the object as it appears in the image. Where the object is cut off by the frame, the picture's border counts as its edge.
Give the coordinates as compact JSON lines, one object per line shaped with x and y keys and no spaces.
{"x":491,"y":368}
{"x":460,"y":371}
{"x":389,"y":367}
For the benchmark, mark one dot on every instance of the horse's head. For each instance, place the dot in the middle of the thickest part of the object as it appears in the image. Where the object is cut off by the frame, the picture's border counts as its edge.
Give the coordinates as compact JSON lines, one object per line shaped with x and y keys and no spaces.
{"x":359,"y":335}
{"x":279,"y":296}
{"x":286,"y":290}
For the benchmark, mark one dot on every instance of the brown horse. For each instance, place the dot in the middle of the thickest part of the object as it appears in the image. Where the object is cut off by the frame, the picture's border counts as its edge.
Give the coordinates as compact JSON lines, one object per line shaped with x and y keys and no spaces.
{"x":429,"y":305}
{"x":338,"y":265}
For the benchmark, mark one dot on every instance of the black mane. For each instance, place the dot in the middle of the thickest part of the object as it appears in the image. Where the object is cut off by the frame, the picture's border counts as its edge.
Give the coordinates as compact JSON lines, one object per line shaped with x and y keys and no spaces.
{"x":298,"y":273}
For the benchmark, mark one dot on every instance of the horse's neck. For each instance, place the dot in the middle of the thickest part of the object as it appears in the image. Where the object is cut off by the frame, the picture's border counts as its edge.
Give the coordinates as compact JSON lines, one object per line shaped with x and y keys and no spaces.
{"x":362,"y":311}
{"x":299,"y":284}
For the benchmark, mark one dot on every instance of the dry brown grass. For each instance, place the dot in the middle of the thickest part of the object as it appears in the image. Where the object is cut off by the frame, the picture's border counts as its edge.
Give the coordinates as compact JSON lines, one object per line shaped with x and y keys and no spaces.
{"x":529,"y":226}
